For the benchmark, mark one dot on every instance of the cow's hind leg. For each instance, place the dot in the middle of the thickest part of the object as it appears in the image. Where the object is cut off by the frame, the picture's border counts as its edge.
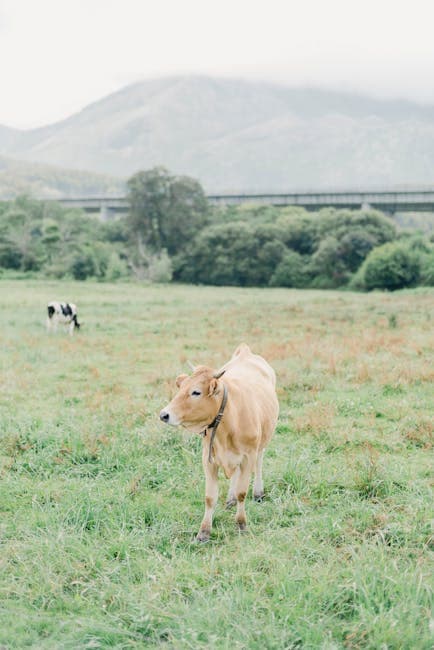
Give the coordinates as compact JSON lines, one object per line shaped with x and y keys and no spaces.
{"x":211,"y":495}
{"x":241,"y":489}
{"x":258,"y":486}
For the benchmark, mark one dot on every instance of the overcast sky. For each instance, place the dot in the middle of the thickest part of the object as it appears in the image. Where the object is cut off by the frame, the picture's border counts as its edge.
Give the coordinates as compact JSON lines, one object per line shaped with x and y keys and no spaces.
{"x":56,"y":56}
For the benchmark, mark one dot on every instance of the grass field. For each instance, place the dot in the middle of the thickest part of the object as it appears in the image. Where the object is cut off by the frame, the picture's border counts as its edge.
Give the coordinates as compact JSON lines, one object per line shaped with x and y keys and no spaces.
{"x":99,"y":502}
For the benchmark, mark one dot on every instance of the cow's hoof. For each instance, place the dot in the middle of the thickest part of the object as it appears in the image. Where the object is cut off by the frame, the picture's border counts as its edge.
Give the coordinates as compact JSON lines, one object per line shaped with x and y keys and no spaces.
{"x":203,"y":536}
{"x":242,"y":527}
{"x":230,"y":503}
{"x":259,"y":496}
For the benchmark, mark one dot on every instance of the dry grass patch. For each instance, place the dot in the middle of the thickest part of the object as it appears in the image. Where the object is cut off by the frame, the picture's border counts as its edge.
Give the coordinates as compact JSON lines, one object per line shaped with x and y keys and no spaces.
{"x":419,"y":433}
{"x":317,"y":418}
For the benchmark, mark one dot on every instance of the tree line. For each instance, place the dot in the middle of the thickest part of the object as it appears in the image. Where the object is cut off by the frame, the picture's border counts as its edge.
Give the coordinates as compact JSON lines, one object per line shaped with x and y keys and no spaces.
{"x":172,"y":233}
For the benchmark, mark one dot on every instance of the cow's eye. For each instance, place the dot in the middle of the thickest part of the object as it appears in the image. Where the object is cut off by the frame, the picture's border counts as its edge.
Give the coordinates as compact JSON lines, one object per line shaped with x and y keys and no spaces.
{"x":196,"y":393}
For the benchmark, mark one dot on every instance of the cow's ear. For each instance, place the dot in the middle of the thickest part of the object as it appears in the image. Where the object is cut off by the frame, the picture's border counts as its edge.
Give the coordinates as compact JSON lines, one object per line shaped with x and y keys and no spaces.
{"x":180,"y":379}
{"x":212,"y":386}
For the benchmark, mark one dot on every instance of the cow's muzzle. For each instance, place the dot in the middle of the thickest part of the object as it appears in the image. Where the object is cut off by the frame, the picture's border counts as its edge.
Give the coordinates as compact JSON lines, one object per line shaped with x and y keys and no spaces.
{"x":164,"y":416}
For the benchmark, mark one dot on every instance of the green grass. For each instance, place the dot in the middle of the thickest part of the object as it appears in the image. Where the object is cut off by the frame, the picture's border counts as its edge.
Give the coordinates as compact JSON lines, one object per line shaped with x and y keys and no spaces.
{"x":99,"y":502}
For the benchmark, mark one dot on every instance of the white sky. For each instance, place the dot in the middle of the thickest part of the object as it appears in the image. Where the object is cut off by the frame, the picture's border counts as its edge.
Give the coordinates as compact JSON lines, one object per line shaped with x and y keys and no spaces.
{"x":56,"y":56}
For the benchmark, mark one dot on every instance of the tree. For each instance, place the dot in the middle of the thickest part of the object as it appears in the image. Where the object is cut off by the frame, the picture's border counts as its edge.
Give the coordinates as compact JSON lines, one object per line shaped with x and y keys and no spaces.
{"x":50,"y":238}
{"x":20,"y":234}
{"x":235,"y":253}
{"x":341,"y":221}
{"x":327,"y":264}
{"x":299,"y":231}
{"x":355,"y":246}
{"x":166,"y":211}
{"x":221,"y":255}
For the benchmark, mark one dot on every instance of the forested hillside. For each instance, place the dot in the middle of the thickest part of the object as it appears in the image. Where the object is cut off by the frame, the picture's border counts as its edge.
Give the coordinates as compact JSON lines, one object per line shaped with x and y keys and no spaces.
{"x":47,"y":181}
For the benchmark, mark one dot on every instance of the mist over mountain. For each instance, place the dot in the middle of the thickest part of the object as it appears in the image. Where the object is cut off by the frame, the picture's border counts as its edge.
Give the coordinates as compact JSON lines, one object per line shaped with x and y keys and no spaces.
{"x":239,"y":135}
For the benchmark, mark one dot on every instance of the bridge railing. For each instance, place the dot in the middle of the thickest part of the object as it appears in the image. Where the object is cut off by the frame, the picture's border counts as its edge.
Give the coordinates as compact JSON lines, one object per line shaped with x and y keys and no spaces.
{"x":387,"y":200}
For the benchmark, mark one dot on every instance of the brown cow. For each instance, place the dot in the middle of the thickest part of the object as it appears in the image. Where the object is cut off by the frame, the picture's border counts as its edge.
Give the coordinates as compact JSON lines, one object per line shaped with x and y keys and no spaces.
{"x":236,"y":416}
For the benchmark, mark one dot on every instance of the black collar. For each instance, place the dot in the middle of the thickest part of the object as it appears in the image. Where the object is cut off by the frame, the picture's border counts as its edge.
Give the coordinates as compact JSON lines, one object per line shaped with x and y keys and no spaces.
{"x":214,"y":424}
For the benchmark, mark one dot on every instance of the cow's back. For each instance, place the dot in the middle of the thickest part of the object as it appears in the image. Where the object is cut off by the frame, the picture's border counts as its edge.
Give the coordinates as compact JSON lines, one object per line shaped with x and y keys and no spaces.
{"x":253,"y":384}
{"x":251,"y":367}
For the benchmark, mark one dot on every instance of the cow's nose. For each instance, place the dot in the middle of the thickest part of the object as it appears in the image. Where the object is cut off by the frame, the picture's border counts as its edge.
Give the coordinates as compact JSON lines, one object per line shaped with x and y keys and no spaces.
{"x":164,"y":416}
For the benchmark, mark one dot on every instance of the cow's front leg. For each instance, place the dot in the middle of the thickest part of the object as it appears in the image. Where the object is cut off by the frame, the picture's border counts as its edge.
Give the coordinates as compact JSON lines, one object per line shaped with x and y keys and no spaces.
{"x":231,"y":499}
{"x":241,"y":489}
{"x":258,"y":486}
{"x":211,"y":495}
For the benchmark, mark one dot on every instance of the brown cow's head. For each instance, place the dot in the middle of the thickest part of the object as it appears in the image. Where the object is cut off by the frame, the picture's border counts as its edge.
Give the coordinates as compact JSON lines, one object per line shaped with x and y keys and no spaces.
{"x":197,"y":402}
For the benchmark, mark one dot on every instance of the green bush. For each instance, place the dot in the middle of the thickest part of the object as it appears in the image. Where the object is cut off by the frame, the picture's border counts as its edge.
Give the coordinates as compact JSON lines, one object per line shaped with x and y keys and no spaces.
{"x":116,"y":268}
{"x":391,"y":266}
{"x":83,"y":265}
{"x":290,"y":272}
{"x":160,"y":268}
{"x":427,"y":269}
{"x":10,"y":254}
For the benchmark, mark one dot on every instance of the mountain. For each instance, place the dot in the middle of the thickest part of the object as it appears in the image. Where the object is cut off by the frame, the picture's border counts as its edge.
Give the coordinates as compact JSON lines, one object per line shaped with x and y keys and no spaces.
{"x":8,"y":136}
{"x":45,"y":181}
{"x":239,"y":135}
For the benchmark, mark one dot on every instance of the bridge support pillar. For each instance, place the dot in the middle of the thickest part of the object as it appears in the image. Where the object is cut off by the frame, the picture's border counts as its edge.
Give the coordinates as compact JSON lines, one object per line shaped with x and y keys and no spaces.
{"x":106,"y":213}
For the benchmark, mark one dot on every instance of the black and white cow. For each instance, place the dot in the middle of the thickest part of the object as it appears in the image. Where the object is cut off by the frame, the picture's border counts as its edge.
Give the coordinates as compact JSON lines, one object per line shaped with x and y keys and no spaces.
{"x":64,"y":313}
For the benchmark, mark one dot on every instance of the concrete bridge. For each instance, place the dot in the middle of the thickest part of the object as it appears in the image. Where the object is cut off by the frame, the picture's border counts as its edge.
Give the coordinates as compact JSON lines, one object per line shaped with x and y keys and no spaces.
{"x":389,"y":201}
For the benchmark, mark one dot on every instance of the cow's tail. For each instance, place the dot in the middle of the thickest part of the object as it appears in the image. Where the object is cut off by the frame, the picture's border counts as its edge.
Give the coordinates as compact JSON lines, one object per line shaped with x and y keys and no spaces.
{"x":76,"y":323}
